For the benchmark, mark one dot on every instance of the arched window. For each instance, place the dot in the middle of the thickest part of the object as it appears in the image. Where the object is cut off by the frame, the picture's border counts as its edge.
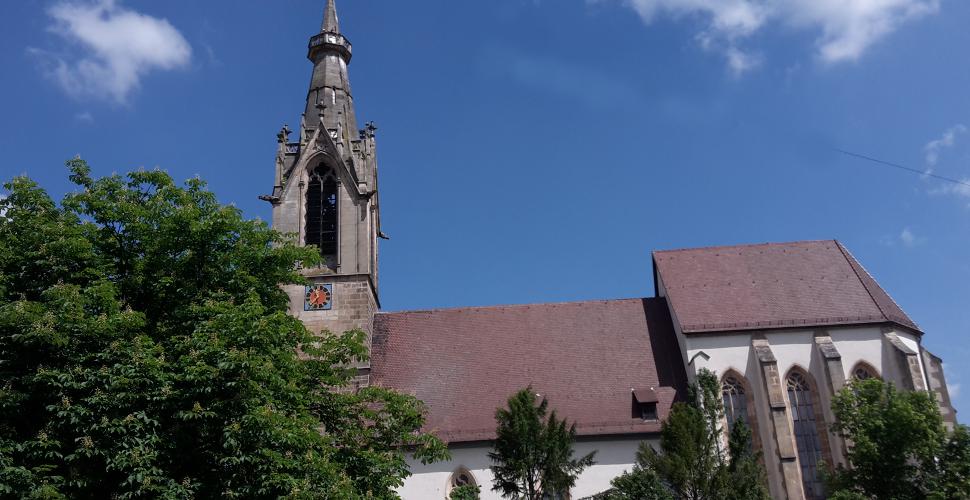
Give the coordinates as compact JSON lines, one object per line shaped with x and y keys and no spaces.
{"x":461,"y":477}
{"x":735,"y":401}
{"x":806,"y":433}
{"x":321,"y":211}
{"x":863,"y":371}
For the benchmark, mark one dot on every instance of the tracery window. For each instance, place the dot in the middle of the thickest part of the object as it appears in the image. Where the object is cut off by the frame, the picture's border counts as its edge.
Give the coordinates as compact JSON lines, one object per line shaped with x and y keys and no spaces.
{"x":735,"y":401}
{"x":321,"y":211}
{"x":461,"y":477}
{"x":863,"y":372}
{"x":806,"y":434}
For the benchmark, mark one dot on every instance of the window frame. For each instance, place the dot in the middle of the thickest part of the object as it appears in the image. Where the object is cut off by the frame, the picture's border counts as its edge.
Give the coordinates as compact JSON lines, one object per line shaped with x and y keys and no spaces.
{"x":326,"y":180}
{"x":865,"y":367}
{"x":751,"y":410}
{"x":823,"y":453}
{"x":458,"y":472}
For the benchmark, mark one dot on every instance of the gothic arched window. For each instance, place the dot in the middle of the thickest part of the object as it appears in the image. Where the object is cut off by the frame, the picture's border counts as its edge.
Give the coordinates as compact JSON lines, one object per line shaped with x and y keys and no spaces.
{"x":735,"y":401}
{"x":321,"y":211}
{"x":806,"y":433}
{"x":461,"y":477}
{"x":863,"y":371}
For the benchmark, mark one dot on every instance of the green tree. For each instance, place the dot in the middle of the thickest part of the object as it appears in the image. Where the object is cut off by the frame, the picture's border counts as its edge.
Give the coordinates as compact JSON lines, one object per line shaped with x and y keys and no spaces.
{"x":899,"y":448}
{"x":745,"y":477}
{"x":641,"y":483}
{"x":533,"y":455}
{"x":691,"y":463}
{"x":465,"y":492}
{"x":146,"y":351}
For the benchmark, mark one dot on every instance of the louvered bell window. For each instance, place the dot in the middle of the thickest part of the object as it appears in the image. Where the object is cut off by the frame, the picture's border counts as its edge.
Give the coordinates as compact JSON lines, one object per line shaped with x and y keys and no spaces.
{"x":321,"y":211}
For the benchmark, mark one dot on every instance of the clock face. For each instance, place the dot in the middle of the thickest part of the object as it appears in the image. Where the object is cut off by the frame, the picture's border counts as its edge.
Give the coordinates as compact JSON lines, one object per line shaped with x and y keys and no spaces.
{"x":318,"y":297}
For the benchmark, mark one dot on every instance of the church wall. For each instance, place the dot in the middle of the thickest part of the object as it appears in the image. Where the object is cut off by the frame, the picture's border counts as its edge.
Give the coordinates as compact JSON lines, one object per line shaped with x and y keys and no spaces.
{"x":614,"y":456}
{"x":722,"y":352}
{"x":727,"y":352}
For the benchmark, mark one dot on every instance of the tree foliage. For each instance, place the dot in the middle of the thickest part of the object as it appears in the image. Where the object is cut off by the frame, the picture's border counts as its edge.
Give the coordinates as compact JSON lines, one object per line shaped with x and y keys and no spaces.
{"x":533,"y":454}
{"x":641,"y":483}
{"x":691,"y":463}
{"x":146,"y":351}
{"x":898,"y":446}
{"x":465,"y":492}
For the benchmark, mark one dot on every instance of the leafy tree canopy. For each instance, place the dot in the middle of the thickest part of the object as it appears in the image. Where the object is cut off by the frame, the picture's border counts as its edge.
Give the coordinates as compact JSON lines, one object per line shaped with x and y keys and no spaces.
{"x":898,"y":446}
{"x":465,"y":492}
{"x":533,"y":455}
{"x":146,"y":351}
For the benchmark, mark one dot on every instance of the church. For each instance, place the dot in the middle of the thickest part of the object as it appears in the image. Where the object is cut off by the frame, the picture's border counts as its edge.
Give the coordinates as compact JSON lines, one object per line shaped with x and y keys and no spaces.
{"x":783,"y":325}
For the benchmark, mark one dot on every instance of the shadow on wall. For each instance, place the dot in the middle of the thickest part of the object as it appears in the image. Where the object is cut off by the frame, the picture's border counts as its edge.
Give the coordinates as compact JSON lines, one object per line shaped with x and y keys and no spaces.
{"x":663,"y":343}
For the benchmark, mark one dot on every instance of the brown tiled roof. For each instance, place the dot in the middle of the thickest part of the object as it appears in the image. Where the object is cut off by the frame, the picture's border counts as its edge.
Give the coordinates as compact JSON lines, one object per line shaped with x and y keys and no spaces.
{"x":585,"y":357}
{"x":774,"y":285}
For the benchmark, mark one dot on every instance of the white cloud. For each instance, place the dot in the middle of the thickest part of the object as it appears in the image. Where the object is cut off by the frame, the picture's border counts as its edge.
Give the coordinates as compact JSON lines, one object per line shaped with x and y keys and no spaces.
{"x":934,"y":149}
{"x":119,"y":46}
{"x":909,"y":239}
{"x":962,"y":189}
{"x":947,"y":140}
{"x":84,"y":117}
{"x":846,"y":27}
{"x":740,"y":61}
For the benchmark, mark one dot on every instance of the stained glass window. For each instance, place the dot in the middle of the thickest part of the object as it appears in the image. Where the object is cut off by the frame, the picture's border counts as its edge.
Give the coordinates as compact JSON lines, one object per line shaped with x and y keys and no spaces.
{"x":806,"y":434}
{"x":321,"y":211}
{"x":462,"y":478}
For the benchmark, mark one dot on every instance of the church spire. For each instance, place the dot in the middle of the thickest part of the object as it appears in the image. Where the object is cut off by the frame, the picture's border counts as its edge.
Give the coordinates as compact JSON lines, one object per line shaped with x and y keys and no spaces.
{"x":329,"y":95}
{"x":330,"y":22}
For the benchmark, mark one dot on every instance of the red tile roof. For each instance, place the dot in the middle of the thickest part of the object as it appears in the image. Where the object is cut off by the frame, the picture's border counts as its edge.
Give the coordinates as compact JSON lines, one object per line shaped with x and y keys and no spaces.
{"x":775,"y":285}
{"x":585,"y":357}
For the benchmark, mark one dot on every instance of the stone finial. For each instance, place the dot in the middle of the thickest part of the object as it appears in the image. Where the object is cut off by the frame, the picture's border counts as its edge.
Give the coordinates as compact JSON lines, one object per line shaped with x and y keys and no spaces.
{"x":370,"y":130}
{"x":284,"y":136}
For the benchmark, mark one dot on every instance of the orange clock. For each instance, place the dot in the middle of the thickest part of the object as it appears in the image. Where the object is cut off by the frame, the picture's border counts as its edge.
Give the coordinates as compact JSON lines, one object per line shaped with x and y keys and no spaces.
{"x":318,"y":297}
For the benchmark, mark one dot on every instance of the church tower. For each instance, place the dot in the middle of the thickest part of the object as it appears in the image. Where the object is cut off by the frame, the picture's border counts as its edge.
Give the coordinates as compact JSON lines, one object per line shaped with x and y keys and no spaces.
{"x":325,"y":193}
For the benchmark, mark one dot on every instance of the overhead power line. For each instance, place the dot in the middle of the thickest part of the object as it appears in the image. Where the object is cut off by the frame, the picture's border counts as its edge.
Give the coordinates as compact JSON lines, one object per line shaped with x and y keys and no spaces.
{"x":902,"y":167}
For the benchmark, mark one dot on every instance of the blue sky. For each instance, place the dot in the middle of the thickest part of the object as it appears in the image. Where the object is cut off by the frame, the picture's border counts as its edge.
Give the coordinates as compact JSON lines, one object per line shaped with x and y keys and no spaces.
{"x":538,"y":150}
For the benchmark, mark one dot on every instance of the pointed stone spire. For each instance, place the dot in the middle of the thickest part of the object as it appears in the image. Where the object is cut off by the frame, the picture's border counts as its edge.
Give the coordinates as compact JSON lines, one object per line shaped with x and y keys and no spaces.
{"x":330,"y":99}
{"x":330,"y":22}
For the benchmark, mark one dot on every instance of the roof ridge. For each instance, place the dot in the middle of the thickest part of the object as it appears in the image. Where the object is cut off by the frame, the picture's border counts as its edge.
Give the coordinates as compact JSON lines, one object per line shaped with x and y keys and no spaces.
{"x":507,"y":306}
{"x":745,"y":245}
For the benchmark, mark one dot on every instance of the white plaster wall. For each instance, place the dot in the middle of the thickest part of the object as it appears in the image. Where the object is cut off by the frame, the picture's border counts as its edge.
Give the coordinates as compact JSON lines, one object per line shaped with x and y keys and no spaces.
{"x":613,"y":457}
{"x":796,"y":348}
{"x":863,"y":344}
